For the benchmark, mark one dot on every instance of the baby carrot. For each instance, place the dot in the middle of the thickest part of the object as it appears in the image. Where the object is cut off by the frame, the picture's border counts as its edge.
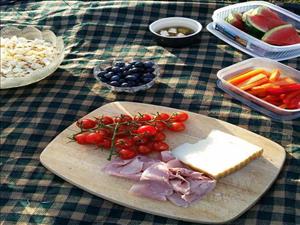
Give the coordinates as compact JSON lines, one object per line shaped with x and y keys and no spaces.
{"x":275,"y":75}
{"x":253,"y":81}
{"x":242,"y":77}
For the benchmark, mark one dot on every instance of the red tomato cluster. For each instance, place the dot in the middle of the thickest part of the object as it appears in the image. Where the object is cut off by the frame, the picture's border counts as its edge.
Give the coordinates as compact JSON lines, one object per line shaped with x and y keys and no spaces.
{"x":128,"y":136}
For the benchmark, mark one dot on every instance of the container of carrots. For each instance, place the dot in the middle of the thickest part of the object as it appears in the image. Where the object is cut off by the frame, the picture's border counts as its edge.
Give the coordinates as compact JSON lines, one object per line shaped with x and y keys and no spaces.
{"x":267,"y":86}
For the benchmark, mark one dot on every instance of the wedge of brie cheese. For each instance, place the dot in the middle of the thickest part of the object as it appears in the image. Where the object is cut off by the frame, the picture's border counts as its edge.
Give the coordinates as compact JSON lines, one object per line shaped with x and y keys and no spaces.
{"x":217,"y":155}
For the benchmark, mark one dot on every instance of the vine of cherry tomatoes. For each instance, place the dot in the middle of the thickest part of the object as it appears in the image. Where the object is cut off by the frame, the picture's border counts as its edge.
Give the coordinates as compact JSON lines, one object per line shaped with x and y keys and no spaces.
{"x":127,"y":136}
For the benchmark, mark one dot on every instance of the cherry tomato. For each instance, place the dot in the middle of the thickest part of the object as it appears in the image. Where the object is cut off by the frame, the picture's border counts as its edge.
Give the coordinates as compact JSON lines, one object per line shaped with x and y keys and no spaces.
{"x":124,"y":142}
{"x":94,"y":138}
{"x":160,"y":126}
{"x":180,"y":117}
{"x":162,"y":116}
{"x":105,"y":143}
{"x":106,"y":120}
{"x":150,"y":145}
{"x":176,"y":126}
{"x":160,"y":146}
{"x":127,"y":153}
{"x":106,"y":132}
{"x":81,"y":138}
{"x":147,"y":130}
{"x":144,"y":149}
{"x":160,"y":136}
{"x":143,"y":117}
{"x":123,"y":129}
{"x":122,"y":118}
{"x":86,"y":123}
{"x":140,"y":140}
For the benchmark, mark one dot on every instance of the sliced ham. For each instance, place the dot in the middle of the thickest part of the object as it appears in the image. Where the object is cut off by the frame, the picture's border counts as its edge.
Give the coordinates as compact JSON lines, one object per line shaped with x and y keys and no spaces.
{"x":155,"y":190}
{"x":154,"y":183}
{"x":131,"y":169}
{"x":189,"y":185}
{"x":162,"y":179}
{"x":166,"y":156}
{"x":156,"y":172}
{"x":176,"y":199}
{"x":175,"y":163}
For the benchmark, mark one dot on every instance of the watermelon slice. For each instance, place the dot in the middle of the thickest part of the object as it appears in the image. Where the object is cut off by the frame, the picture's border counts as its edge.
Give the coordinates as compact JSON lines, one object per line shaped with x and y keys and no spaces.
{"x":260,"y":20}
{"x":265,"y":11}
{"x":282,"y":35}
{"x":258,"y":25}
{"x":235,"y":19}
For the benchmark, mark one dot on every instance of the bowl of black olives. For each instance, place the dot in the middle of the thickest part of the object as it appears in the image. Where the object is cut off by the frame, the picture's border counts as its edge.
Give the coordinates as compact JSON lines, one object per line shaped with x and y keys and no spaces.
{"x":127,"y":76}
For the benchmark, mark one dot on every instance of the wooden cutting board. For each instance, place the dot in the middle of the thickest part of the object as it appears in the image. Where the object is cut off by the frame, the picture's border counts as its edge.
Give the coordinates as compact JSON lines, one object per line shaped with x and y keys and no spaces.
{"x":81,"y":166}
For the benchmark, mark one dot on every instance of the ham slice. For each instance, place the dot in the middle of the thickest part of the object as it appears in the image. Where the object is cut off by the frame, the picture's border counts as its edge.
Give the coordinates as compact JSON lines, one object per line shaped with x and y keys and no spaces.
{"x":189,"y":185}
{"x":162,"y":179}
{"x":166,"y":156}
{"x":154,"y":183}
{"x":176,"y":199}
{"x":131,"y":169}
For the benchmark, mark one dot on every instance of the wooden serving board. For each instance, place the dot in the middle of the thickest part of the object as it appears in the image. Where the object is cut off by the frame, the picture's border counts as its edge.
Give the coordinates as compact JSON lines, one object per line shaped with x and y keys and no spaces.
{"x":81,"y":165}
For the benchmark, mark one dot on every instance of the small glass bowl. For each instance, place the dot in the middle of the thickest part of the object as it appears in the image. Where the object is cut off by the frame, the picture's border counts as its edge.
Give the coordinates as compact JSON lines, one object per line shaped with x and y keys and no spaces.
{"x":108,"y":63}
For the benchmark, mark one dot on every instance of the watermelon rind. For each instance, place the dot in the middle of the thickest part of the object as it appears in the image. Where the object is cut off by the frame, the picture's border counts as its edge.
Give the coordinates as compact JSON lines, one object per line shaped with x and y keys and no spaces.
{"x":244,"y":16}
{"x":235,"y":19}
{"x":254,"y":29}
{"x":266,"y":37}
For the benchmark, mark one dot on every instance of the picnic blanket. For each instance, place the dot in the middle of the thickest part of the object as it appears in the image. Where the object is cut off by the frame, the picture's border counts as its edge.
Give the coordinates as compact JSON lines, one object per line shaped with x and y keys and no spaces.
{"x":96,"y":31}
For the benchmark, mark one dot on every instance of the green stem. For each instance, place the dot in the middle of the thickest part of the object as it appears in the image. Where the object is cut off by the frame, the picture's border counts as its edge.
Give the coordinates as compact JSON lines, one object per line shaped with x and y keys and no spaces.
{"x":111,"y":152}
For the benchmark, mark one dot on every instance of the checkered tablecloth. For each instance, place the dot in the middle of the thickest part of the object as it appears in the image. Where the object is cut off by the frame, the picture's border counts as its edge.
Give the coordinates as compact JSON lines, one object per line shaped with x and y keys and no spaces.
{"x":95,"y":31}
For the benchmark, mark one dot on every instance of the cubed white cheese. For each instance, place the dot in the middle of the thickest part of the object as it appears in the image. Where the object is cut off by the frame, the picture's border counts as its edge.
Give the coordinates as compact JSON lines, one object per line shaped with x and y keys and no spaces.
{"x":164,"y":33}
{"x":172,"y":30}
{"x":180,"y":35}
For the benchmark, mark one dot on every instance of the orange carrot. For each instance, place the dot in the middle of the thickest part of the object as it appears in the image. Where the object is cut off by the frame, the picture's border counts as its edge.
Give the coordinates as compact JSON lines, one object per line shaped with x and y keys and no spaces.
{"x":275,"y":75}
{"x":282,"y":81}
{"x":267,"y":73}
{"x":262,"y":87}
{"x":253,"y":81}
{"x":242,"y":77}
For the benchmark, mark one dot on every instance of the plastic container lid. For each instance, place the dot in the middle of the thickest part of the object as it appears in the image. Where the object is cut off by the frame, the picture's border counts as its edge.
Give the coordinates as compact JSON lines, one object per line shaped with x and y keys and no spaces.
{"x":253,"y":102}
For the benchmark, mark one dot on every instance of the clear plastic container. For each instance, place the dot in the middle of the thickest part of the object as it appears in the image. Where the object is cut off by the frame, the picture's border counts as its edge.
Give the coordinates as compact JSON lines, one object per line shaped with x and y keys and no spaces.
{"x":248,"y":43}
{"x":258,"y":104}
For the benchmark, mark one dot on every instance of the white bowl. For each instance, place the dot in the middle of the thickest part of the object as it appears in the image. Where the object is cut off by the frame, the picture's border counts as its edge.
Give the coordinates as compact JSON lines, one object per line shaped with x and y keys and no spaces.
{"x":174,"y":41}
{"x":37,"y":75}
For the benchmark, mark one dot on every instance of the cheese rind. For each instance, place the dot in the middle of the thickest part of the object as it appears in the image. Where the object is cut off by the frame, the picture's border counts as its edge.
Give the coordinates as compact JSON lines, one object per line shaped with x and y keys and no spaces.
{"x":218,"y":155}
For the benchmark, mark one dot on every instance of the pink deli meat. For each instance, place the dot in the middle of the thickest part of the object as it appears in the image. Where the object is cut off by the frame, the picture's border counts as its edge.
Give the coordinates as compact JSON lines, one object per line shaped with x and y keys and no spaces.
{"x":131,"y":169}
{"x":165,"y":179}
